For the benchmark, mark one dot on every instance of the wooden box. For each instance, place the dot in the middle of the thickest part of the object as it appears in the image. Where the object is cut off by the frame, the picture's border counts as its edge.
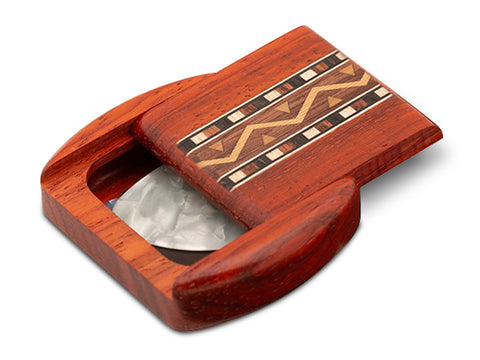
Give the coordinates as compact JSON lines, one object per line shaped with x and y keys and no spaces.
{"x":280,"y":140}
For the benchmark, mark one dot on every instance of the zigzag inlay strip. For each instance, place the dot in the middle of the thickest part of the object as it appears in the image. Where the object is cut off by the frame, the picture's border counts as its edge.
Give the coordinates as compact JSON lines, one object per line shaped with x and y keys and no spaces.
{"x":261,"y":101}
{"x":276,"y":122}
{"x":309,"y":132}
{"x":283,"y":119}
{"x":307,"y":136}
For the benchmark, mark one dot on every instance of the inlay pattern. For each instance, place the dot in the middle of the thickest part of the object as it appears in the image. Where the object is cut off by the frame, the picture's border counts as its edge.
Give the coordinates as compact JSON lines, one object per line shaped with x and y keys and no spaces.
{"x":274,"y":124}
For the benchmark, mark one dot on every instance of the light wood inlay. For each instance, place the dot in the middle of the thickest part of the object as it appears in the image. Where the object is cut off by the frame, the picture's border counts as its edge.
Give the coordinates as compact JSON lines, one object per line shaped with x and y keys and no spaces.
{"x":217,"y":146}
{"x":267,"y":139}
{"x":326,"y":94}
{"x":348,"y":70}
{"x":249,"y":129}
{"x":283,"y":107}
{"x":332,"y":101}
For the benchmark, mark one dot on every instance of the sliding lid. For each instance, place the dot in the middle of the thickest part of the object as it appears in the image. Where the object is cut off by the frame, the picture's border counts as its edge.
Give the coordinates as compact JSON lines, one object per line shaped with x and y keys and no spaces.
{"x":280,"y":124}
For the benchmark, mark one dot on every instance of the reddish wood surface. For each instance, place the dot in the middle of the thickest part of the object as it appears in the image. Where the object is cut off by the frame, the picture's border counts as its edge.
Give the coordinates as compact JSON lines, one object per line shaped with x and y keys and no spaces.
{"x":295,"y":103}
{"x":363,"y":148}
{"x":297,"y":221}
{"x":273,"y":258}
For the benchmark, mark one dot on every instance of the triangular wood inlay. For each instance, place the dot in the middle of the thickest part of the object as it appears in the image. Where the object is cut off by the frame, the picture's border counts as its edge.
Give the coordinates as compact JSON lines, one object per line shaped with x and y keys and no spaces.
{"x":332,"y":101}
{"x":284,"y":107}
{"x":267,"y":139}
{"x":217,"y":146}
{"x":348,"y":70}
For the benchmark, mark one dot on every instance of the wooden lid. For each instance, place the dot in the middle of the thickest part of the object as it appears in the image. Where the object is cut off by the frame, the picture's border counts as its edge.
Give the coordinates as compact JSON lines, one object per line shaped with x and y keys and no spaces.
{"x":280,"y":124}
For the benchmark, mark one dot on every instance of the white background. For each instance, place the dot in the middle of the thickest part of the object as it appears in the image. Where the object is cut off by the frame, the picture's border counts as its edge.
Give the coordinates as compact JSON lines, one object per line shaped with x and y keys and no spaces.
{"x":406,"y":286}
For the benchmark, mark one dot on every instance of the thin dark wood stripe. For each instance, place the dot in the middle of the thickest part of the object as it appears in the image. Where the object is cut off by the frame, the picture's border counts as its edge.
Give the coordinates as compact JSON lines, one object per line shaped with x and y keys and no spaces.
{"x":298,"y":141}
{"x":260,"y":101}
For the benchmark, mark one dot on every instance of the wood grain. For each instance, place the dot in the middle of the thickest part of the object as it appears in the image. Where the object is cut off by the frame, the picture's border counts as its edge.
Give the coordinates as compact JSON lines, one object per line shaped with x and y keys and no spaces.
{"x":362,"y":148}
{"x":275,"y":124}
{"x":72,"y":206}
{"x":273,"y":258}
{"x":299,"y":213}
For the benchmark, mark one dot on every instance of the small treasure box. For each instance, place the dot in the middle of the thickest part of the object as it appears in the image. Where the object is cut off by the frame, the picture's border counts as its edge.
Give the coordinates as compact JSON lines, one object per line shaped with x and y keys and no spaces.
{"x":280,"y":141}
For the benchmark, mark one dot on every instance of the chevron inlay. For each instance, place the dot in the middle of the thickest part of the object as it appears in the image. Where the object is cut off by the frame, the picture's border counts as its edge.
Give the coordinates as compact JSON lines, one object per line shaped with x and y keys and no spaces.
{"x":297,"y":119}
{"x":332,"y":89}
